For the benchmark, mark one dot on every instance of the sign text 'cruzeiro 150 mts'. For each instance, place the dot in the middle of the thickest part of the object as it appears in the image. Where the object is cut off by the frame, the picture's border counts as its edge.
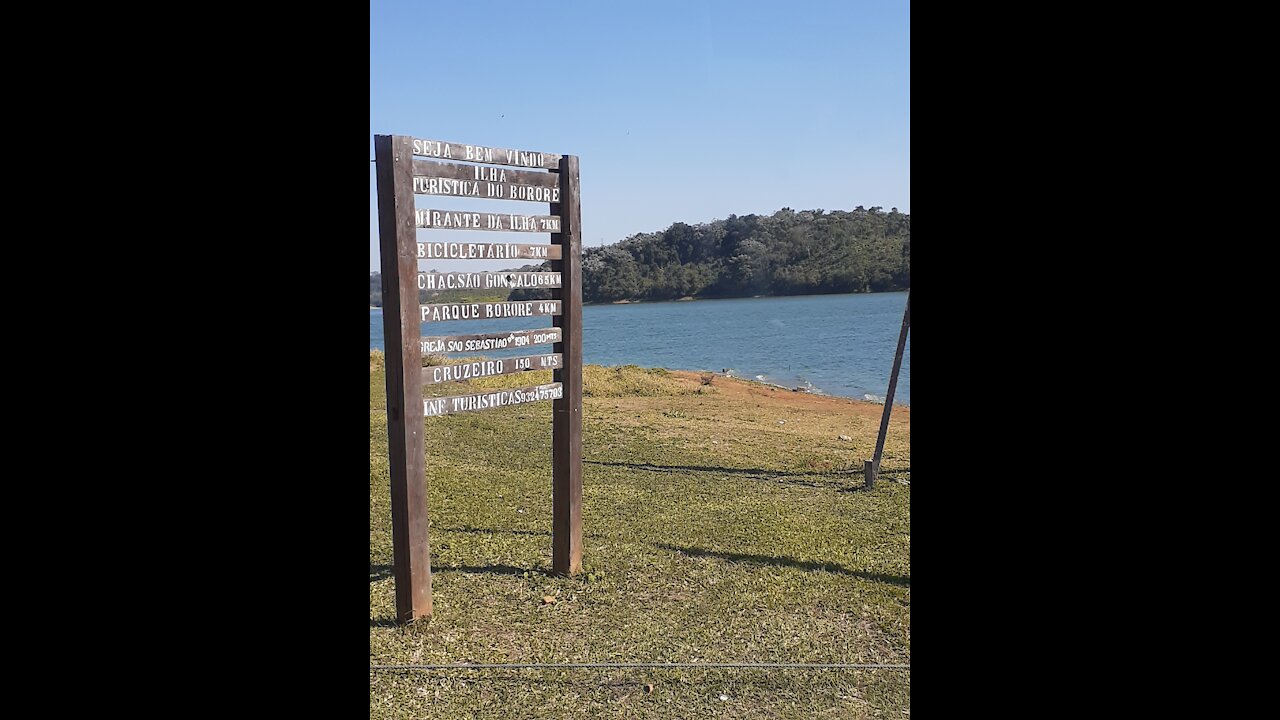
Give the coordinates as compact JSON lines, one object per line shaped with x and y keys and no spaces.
{"x":489,"y":368}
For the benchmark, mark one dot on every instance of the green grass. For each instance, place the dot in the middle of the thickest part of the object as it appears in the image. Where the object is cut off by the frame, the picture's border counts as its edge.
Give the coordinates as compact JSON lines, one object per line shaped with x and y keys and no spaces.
{"x":711,"y":533}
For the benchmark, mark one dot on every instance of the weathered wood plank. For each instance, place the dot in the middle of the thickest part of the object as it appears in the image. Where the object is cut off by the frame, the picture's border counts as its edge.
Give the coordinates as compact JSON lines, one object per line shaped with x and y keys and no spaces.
{"x":893,"y":385}
{"x":535,"y":178}
{"x":490,"y":368}
{"x":487,"y":280}
{"x":483,"y":342}
{"x":506,"y":222}
{"x":405,"y":435}
{"x":434,"y":407}
{"x":486,"y":251}
{"x":566,"y":417}
{"x":484,"y":190}
{"x":442,"y":312}
{"x":484,"y":154}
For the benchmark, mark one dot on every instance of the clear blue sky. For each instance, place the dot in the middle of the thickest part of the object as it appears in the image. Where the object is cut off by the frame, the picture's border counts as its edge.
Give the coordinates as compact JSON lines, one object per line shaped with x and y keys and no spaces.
{"x":683,"y":111}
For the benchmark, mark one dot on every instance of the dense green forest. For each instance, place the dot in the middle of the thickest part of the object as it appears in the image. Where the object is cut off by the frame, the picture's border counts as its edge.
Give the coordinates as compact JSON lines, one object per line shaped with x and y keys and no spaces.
{"x":788,"y":253}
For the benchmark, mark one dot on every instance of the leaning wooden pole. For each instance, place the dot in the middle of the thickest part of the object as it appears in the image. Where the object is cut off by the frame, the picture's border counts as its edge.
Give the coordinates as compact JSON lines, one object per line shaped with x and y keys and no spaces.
{"x":566,"y":424}
{"x":872,"y":469}
{"x":402,"y":326}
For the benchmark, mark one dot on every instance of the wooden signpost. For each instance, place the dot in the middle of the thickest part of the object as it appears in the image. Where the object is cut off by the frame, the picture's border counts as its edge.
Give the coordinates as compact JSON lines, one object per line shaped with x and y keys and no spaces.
{"x":542,"y":177}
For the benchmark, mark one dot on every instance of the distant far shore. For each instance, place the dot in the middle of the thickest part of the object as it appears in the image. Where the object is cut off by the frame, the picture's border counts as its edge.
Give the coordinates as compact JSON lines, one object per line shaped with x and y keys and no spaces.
{"x":688,"y":298}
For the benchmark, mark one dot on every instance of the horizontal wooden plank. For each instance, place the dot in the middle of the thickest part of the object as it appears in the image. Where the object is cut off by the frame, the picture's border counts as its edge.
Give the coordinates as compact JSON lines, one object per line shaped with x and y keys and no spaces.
{"x":433,"y":407}
{"x":483,"y":342}
{"x":441,"y":312}
{"x":485,"y":154}
{"x":464,"y":220}
{"x":457,"y":171}
{"x":489,"y":368}
{"x":487,"y":280}
{"x":485,"y":190}
{"x":487,"y":251}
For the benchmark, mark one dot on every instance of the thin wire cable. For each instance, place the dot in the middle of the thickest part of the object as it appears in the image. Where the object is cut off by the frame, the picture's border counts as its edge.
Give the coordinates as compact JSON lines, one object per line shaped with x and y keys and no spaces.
{"x":566,"y":666}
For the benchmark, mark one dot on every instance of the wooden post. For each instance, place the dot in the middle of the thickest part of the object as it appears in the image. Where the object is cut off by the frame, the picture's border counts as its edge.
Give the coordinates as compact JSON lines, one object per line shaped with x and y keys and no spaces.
{"x":401,"y":330}
{"x":893,"y":385}
{"x":868,"y":475}
{"x":566,"y":428}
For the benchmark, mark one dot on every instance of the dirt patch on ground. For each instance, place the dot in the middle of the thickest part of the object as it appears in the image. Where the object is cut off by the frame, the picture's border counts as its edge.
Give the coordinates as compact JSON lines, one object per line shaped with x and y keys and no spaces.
{"x":738,"y":388}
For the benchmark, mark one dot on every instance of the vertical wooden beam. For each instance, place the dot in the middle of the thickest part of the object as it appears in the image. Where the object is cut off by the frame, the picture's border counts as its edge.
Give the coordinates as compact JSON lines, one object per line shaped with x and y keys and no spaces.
{"x":402,"y":326}
{"x":893,"y":385}
{"x":566,"y":428}
{"x":868,"y":475}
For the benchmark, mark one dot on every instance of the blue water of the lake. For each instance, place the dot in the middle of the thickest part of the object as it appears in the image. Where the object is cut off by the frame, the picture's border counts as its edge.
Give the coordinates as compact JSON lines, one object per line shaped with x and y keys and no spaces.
{"x":833,"y":344}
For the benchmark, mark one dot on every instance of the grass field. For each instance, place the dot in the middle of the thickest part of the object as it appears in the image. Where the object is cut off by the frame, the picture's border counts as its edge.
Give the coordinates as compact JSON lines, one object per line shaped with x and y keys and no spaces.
{"x":721,"y":523}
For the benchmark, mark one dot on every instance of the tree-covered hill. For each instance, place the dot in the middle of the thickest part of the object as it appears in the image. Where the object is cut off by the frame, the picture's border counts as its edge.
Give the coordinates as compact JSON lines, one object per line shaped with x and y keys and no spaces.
{"x":788,"y":253}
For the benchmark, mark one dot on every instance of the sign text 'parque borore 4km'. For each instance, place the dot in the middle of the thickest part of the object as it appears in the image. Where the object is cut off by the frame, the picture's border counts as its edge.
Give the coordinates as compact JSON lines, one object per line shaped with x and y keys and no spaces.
{"x":408,"y":167}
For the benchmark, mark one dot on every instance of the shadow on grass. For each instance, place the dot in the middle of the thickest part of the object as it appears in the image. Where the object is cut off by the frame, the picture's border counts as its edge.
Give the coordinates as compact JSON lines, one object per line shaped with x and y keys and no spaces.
{"x":748,"y":472}
{"x":383,"y":622}
{"x":503,"y":531}
{"x":743,"y":471}
{"x":381,"y":572}
{"x":508,"y":531}
{"x":720,"y":470}
{"x":754,"y":473}
{"x":789,"y":562}
{"x":788,"y":477}
{"x":780,"y":678}
{"x":485,"y":569}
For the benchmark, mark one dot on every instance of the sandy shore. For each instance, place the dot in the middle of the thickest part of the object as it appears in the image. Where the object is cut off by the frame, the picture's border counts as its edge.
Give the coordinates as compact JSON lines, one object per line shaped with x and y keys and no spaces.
{"x":743,"y":388}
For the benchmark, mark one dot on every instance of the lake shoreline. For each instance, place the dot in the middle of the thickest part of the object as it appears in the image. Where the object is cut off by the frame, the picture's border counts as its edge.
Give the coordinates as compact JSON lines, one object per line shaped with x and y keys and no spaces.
{"x":723,"y":379}
{"x":838,"y":345}
{"x":690,"y":298}
{"x":759,"y":387}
